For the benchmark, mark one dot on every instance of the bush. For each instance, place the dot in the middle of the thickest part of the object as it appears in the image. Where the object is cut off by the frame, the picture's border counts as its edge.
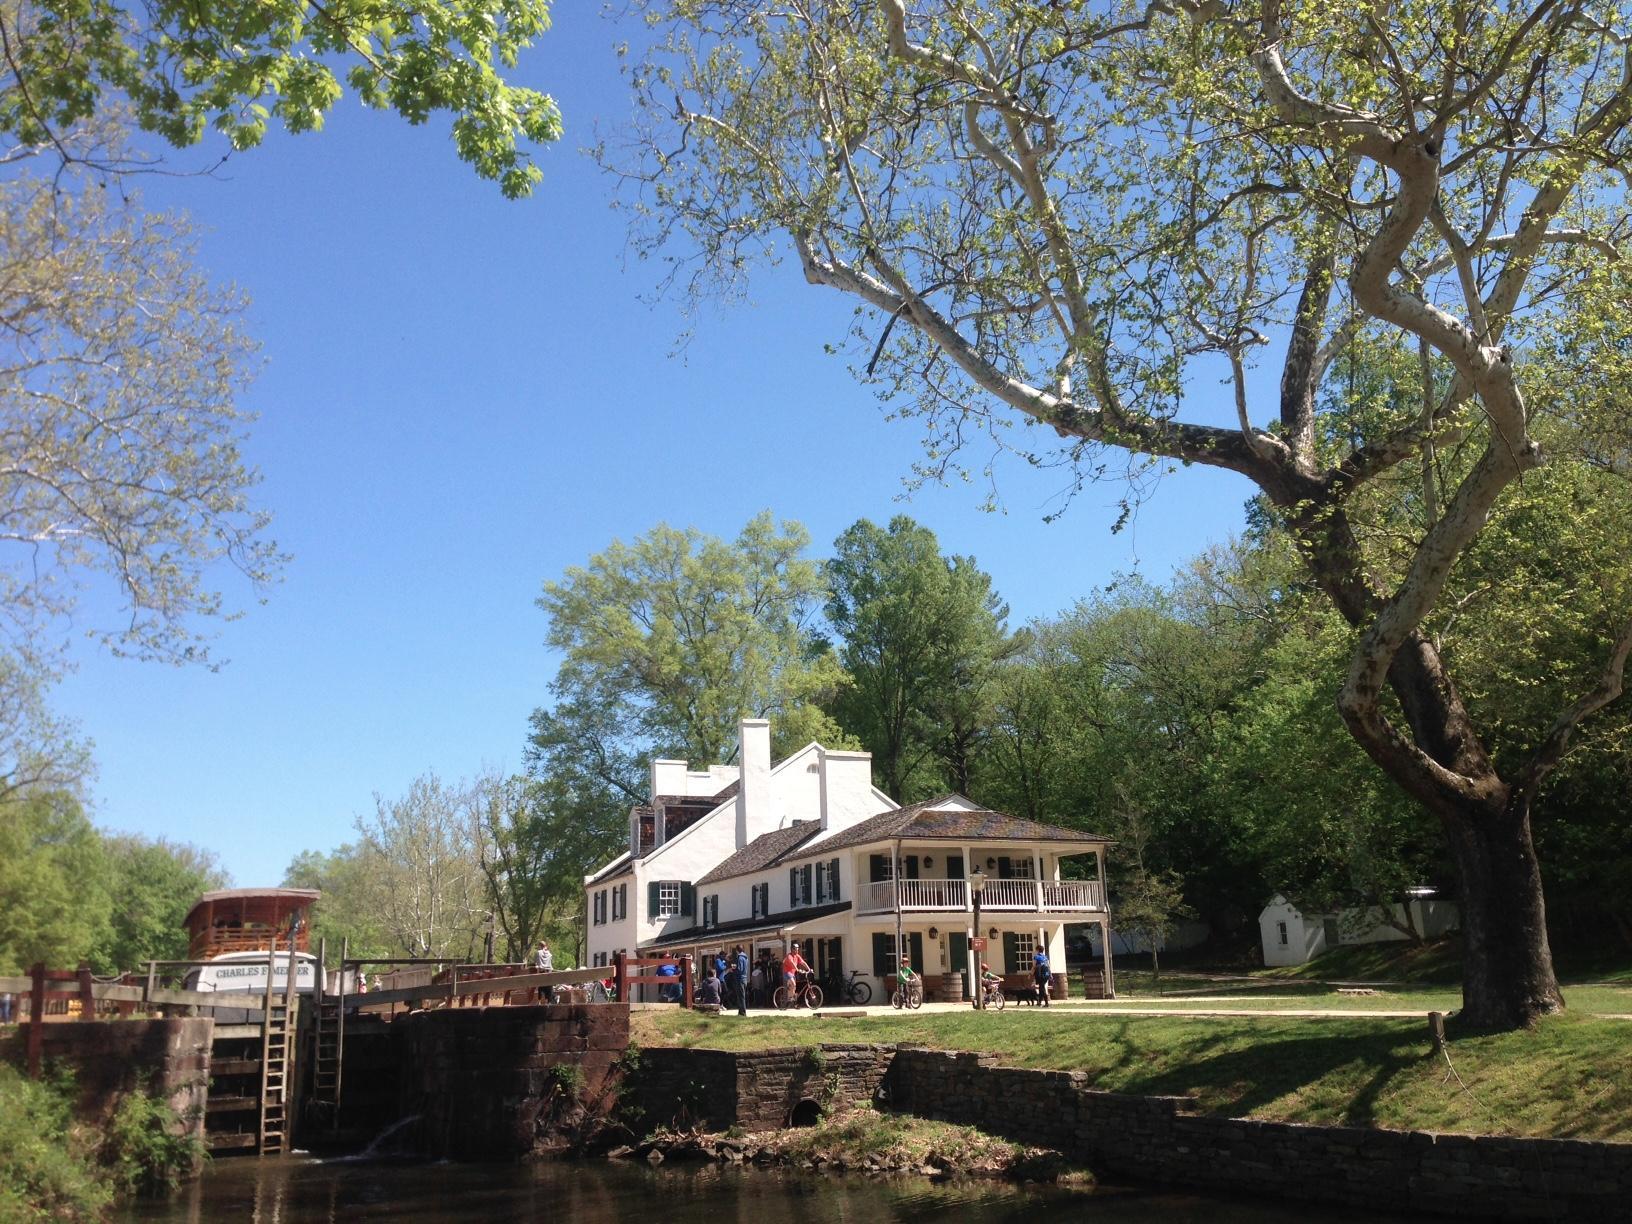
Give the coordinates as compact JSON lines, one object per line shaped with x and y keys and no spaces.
{"x":143,"y":1152}
{"x":48,"y":1168}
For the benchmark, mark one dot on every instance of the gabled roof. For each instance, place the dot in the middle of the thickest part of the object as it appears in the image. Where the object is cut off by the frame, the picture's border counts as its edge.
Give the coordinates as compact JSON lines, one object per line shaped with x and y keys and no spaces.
{"x":941,"y":820}
{"x":622,"y":865}
{"x":764,"y":850}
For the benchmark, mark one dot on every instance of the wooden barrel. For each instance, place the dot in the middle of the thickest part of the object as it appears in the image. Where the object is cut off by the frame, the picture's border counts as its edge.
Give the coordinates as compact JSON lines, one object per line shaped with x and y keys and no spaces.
{"x":952,"y":987}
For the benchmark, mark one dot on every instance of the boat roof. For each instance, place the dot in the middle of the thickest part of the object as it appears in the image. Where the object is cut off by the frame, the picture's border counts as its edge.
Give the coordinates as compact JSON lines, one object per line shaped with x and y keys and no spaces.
{"x":252,"y":894}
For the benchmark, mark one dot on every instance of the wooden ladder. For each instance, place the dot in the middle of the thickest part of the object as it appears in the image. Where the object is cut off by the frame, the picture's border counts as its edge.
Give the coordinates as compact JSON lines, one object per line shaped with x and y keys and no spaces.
{"x":329,"y":1043}
{"x":278,"y":1021}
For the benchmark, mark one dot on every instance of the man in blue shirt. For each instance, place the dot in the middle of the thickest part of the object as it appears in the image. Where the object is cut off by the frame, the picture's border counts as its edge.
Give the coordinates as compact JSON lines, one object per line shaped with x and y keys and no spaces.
{"x":668,"y":994}
{"x":1041,"y":975}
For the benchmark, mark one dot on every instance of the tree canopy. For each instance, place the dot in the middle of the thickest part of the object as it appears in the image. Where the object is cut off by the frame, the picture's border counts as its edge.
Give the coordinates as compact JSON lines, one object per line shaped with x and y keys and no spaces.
{"x":183,"y":69}
{"x":1059,"y":222}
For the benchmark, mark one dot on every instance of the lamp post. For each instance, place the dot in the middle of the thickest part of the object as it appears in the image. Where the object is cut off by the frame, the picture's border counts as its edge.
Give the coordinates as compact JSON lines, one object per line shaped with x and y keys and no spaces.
{"x":977,"y":879}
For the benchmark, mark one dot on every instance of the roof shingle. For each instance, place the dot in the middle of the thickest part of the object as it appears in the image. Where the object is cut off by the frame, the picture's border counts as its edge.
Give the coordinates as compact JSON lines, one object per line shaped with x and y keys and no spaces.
{"x":931,"y":820}
{"x":764,"y":850}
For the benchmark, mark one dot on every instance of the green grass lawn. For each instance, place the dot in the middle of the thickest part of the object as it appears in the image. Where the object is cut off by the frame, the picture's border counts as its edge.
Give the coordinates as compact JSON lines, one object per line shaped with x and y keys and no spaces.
{"x":1278,"y":995}
{"x":1570,"y":1077}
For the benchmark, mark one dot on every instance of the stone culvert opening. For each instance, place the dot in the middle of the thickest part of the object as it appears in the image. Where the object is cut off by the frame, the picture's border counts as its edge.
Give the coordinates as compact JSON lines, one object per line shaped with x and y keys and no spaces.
{"x":806,"y":1113}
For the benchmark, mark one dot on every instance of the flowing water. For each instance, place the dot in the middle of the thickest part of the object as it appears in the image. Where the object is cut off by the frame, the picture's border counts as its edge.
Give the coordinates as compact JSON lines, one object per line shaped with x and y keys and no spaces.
{"x":300,"y":1190}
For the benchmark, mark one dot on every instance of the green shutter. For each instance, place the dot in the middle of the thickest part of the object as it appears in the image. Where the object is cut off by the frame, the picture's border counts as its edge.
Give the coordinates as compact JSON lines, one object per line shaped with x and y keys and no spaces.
{"x":833,"y":880}
{"x":911,"y":862}
{"x":881,"y":954}
{"x":878,"y":868}
{"x":686,"y":902}
{"x":651,"y":900}
{"x":793,"y":887}
{"x":1005,"y":869}
{"x":915,"y":950}
{"x":804,"y":884}
{"x":1010,"y":954}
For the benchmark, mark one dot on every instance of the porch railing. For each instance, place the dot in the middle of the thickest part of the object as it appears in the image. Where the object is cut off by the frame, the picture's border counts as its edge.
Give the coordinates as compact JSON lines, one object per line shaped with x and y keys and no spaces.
{"x":996,"y":895}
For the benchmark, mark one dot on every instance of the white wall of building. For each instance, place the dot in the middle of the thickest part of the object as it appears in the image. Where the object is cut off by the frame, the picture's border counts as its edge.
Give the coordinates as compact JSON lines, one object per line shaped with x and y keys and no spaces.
{"x":1291,"y":937}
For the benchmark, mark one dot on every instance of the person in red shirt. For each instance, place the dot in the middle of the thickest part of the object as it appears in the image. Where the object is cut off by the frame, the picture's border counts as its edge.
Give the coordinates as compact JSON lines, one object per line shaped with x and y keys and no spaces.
{"x":795,"y":970}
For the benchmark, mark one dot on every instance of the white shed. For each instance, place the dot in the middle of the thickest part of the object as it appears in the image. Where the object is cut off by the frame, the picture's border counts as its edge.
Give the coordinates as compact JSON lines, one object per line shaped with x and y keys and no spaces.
{"x":1292,"y":937}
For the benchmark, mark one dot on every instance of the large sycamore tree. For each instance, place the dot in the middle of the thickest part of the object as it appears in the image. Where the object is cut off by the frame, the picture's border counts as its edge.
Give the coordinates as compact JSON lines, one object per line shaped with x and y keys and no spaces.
{"x":1169,"y":234}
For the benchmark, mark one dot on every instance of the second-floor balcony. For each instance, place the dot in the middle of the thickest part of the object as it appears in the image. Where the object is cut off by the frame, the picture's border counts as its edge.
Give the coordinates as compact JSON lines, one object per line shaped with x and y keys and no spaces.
{"x":997,"y":896}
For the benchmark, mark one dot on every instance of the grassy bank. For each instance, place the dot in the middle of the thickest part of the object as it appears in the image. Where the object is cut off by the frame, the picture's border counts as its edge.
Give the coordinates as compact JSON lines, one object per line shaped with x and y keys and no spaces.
{"x":1571,"y":1077}
{"x":861,"y":1139}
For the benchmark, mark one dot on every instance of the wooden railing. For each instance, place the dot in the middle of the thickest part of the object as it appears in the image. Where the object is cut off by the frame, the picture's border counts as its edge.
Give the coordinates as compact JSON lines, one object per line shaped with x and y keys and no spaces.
{"x":681,"y":978}
{"x":996,"y":895}
{"x":1073,"y":895}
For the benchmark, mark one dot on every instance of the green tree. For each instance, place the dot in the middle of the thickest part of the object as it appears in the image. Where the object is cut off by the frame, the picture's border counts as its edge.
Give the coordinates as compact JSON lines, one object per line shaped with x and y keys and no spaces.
{"x":344,"y":918}
{"x":152,"y":883}
{"x":55,"y":879}
{"x":919,"y":634}
{"x":1074,"y":217}
{"x":670,"y":641}
{"x":423,"y":883}
{"x":183,"y":69}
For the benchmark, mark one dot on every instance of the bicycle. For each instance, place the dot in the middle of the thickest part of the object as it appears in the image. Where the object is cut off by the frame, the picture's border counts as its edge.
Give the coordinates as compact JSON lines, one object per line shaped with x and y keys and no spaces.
{"x":856,"y":990}
{"x":992,"y":996}
{"x":908,"y":994}
{"x":809,"y":995}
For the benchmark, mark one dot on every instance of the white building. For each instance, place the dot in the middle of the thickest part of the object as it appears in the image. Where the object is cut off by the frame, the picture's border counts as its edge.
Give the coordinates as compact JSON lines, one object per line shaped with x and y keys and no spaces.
{"x":809,"y":850}
{"x":1293,"y":937}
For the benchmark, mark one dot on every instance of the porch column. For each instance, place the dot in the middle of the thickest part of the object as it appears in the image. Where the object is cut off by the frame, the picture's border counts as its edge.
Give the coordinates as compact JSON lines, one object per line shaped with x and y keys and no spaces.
{"x":1105,"y":956}
{"x":1037,"y":875}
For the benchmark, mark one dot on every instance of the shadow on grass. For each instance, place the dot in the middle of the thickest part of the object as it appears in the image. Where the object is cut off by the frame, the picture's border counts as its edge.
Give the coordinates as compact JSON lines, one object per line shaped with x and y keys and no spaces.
{"x":1240,"y":1074}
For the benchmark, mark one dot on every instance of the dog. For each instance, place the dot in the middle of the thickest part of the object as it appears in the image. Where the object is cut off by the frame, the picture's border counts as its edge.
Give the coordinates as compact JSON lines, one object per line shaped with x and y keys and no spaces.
{"x":1022,"y":994}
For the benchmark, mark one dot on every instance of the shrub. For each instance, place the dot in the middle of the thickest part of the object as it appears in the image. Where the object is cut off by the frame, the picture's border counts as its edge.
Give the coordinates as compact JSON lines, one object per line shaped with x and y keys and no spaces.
{"x":47,"y":1165}
{"x":145,"y":1152}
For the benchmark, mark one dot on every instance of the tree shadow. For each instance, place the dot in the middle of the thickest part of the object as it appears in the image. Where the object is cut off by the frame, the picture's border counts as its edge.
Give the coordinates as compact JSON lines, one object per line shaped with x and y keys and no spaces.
{"x":1240,"y":1079}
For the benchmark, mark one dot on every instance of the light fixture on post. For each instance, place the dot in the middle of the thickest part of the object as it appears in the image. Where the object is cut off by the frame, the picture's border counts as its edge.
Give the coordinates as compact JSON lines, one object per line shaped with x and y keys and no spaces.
{"x":977,"y":878}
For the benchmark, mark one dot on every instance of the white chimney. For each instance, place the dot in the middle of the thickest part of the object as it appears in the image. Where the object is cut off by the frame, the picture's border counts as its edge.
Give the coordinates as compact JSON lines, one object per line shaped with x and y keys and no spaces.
{"x":754,"y":794}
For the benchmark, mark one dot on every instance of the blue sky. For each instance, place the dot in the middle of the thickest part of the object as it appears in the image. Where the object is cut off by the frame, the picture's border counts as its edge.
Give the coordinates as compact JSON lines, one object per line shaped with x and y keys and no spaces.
{"x":461,"y":397}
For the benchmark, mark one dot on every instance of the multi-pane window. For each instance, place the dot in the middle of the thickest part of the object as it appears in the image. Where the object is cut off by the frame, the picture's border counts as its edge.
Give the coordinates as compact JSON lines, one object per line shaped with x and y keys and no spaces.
{"x":1281,"y":928}
{"x":668,"y":899}
{"x":1022,"y":947}
{"x":620,"y":902}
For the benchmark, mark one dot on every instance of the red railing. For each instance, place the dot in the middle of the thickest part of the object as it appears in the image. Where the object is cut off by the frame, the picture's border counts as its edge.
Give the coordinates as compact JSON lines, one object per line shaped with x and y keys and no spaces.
{"x":38,"y":996}
{"x":683,"y":979}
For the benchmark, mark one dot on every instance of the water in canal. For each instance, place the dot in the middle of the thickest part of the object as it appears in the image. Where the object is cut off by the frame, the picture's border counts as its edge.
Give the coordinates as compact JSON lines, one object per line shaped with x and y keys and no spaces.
{"x":306,"y":1191}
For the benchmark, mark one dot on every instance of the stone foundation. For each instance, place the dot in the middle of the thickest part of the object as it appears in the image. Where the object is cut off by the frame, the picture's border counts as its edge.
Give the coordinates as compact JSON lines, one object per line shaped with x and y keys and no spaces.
{"x":165,"y":1058}
{"x":505,"y":1082}
{"x":1159,"y":1140}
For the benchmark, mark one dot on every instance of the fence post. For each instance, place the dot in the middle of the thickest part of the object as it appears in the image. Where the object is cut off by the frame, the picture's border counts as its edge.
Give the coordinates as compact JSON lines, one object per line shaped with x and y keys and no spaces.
{"x":152,"y":984}
{"x":36,"y":1019}
{"x":685,"y":978}
{"x":620,"y":976}
{"x":453,"y":985}
{"x":87,"y":999}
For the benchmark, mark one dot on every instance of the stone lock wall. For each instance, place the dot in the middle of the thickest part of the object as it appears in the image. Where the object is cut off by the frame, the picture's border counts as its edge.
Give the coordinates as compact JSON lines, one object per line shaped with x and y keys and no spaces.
{"x":503,"y":1082}
{"x":1162,"y":1139}
{"x":756,"y":1090}
{"x":166,"y":1058}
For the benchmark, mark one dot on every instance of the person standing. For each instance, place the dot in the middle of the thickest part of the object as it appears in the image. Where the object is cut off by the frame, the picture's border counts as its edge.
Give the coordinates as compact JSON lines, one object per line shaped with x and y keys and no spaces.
{"x":8,"y":1003}
{"x":1041,"y":974}
{"x":739,"y":962}
{"x":544,"y":962}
